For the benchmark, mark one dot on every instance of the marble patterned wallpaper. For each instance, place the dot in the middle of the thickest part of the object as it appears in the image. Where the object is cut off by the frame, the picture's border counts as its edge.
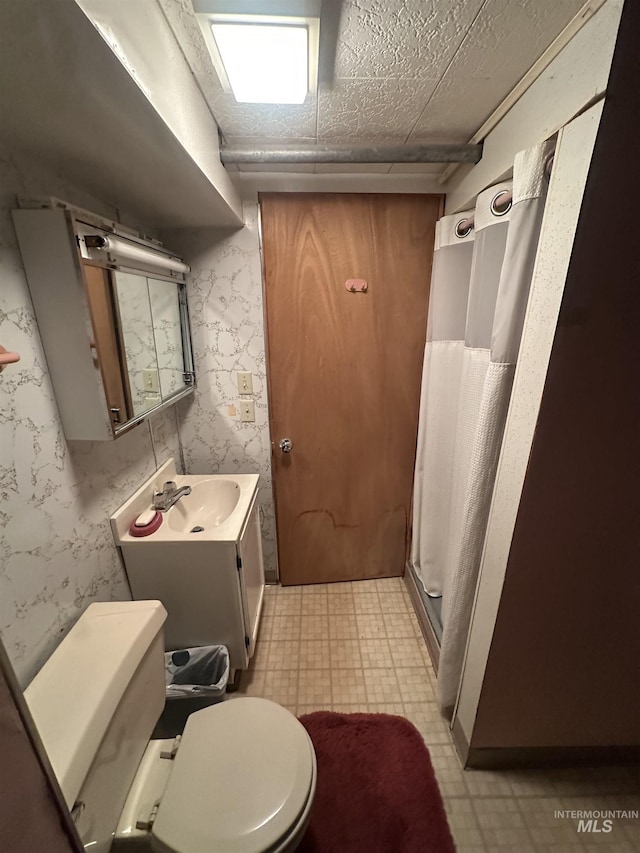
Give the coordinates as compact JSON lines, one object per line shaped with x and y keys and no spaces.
{"x":225,"y":304}
{"x":56,"y":550}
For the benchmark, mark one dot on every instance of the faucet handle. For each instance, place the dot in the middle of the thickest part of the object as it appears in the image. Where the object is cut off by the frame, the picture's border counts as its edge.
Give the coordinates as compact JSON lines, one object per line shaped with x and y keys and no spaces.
{"x":167,"y":489}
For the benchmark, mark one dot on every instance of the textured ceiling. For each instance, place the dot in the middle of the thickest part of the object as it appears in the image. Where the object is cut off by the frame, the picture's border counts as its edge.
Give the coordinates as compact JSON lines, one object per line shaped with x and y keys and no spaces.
{"x":405,"y":71}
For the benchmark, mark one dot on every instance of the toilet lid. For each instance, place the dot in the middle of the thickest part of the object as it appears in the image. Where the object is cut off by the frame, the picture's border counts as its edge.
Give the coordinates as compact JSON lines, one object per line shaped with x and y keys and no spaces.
{"x":241,"y":779}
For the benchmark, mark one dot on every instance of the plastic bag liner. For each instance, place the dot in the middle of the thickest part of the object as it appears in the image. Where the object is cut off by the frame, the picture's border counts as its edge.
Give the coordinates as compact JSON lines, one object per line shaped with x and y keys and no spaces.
{"x":202,"y":671}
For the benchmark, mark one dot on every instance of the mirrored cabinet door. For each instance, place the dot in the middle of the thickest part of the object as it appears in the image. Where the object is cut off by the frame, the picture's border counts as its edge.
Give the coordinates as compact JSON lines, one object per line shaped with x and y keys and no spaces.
{"x":168,"y":332}
{"x":150,"y":329}
{"x":105,"y":344}
{"x":138,"y":340}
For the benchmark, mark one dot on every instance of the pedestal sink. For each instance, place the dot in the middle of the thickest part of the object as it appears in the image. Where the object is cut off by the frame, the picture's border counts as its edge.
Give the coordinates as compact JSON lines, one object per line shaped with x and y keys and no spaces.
{"x":204,"y":562}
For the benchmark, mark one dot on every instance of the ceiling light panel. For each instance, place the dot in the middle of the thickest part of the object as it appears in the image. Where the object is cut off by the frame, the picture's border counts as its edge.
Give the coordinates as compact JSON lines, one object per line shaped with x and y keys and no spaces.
{"x":264,"y":64}
{"x":262,"y":58}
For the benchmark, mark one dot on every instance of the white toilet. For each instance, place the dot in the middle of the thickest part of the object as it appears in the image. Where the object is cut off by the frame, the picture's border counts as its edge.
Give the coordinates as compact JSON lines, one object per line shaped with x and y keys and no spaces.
{"x":241,"y":779}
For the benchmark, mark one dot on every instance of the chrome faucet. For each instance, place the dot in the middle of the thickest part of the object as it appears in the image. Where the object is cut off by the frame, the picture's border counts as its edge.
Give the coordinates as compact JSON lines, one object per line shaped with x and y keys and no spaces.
{"x":170,"y":493}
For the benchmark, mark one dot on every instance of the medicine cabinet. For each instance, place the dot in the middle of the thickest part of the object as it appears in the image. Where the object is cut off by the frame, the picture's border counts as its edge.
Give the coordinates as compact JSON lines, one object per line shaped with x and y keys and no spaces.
{"x":112,"y":314}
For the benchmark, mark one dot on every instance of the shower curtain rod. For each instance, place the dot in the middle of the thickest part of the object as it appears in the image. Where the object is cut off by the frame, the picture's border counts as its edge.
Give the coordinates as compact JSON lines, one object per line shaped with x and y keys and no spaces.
{"x":498,"y":208}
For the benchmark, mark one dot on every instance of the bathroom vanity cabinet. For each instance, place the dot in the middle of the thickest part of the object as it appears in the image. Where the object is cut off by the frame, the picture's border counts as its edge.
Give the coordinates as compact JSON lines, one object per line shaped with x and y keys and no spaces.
{"x":210,"y":582}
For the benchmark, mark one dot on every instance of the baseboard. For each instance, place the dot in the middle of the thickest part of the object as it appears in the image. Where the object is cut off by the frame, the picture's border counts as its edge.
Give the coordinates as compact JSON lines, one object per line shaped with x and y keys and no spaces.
{"x":533,"y":757}
{"x":425,"y":624}
{"x":460,"y":742}
{"x":501,"y":758}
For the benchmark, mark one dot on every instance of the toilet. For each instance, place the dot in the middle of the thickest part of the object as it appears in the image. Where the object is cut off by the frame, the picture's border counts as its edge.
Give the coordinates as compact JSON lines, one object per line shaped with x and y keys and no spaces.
{"x":240,"y":779}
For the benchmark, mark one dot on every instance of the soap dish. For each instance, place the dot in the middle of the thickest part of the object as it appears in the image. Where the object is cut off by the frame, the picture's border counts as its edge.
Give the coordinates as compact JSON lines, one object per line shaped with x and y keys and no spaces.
{"x":143,"y":527}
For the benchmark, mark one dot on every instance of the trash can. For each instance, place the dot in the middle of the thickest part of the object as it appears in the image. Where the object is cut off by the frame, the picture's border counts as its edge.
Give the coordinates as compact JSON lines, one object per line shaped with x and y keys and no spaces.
{"x":201,"y":671}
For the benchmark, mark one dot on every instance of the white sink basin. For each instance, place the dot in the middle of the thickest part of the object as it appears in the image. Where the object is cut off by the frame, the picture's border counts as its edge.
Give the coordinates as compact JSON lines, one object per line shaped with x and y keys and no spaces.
{"x":210,"y":503}
{"x":218,"y":503}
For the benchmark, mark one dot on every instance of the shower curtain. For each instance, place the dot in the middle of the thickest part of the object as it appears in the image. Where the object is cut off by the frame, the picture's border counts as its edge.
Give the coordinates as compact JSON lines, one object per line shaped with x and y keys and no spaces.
{"x":480,"y":287}
{"x":441,"y":375}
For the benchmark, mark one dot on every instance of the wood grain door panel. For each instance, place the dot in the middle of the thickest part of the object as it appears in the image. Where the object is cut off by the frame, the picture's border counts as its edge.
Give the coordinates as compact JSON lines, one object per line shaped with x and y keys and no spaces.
{"x":344,"y":376}
{"x":107,"y":343}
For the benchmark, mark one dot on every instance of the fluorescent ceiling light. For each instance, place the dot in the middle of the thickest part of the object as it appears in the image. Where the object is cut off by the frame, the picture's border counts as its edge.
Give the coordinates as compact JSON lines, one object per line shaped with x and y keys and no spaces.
{"x":264,"y":63}
{"x":263,"y":52}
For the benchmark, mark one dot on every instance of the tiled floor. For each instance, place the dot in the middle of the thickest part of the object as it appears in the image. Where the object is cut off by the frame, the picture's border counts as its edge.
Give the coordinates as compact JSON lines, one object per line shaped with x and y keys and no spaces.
{"x":358,"y":647}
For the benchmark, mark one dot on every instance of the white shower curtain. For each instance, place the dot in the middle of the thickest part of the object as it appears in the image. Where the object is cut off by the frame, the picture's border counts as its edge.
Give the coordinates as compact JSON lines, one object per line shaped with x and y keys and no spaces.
{"x":465,"y":395}
{"x":441,"y":375}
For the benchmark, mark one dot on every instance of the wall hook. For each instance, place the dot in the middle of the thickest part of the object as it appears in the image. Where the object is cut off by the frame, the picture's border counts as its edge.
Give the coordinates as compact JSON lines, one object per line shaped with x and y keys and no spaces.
{"x":356,"y":285}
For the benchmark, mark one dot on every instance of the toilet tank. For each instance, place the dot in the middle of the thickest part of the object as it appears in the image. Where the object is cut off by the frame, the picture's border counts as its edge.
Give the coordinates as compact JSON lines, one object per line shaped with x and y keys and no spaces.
{"x":95,"y":703}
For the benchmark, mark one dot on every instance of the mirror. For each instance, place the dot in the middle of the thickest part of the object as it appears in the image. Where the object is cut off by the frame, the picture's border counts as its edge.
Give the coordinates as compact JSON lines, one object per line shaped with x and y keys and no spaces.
{"x":149,"y":317}
{"x":167,"y":329}
{"x":136,"y":326}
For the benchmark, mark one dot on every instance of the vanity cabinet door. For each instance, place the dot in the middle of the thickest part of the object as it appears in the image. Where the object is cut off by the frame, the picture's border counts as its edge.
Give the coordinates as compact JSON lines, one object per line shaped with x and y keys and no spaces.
{"x":251,"y":574}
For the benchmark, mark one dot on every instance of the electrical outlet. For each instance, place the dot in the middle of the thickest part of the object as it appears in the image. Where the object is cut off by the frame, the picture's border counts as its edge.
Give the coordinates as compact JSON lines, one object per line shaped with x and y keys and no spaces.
{"x":247,"y":411}
{"x":245,"y":382}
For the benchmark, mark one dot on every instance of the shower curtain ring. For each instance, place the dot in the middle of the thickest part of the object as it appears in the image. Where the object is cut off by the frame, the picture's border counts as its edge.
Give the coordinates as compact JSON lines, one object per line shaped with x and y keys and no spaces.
{"x":507,"y":203}
{"x":464,"y":227}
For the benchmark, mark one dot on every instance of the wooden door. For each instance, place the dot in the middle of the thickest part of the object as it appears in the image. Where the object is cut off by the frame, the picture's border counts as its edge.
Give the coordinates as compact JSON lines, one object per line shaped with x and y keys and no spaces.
{"x":344,"y":376}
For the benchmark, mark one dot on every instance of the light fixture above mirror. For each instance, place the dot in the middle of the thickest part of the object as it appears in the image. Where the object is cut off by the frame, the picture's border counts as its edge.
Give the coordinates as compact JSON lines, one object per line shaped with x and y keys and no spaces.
{"x":263,"y":53}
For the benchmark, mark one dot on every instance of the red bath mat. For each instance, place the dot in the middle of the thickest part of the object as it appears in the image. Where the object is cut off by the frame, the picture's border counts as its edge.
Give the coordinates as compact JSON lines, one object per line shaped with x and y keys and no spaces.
{"x":376,"y":791}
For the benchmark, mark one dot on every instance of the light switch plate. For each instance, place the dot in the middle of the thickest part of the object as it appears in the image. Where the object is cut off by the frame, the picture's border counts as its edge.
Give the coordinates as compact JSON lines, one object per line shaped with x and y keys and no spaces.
{"x":247,"y":411}
{"x":151,"y":381}
{"x":245,"y":382}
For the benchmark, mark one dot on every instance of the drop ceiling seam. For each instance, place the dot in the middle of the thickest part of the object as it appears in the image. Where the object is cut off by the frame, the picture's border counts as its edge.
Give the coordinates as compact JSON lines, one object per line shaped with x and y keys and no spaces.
{"x":446,"y":70}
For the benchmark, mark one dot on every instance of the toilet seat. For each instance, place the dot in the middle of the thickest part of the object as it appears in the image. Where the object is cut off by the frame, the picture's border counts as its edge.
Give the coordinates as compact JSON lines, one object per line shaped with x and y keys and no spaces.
{"x":242,"y":782}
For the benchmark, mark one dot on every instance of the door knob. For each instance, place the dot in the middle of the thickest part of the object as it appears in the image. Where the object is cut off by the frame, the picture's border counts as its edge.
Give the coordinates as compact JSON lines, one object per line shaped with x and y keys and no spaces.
{"x":286,"y":445}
